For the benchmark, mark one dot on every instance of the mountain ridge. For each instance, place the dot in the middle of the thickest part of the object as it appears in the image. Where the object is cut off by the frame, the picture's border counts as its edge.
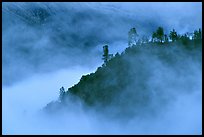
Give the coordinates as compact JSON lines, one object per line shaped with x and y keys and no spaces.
{"x":129,"y":79}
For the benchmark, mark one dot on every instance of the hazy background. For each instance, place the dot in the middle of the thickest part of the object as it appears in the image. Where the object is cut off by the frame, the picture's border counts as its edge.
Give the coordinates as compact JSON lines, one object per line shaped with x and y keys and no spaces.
{"x":49,"y":45}
{"x":44,"y":37}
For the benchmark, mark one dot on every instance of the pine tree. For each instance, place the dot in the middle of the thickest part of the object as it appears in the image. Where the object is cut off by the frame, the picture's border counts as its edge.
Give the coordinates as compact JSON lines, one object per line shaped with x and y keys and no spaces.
{"x":160,"y":34}
{"x":105,"y":54}
{"x":173,"y":35}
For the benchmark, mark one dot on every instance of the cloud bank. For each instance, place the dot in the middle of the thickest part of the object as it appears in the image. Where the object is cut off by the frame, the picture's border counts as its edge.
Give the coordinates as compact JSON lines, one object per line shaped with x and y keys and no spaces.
{"x":47,"y":45}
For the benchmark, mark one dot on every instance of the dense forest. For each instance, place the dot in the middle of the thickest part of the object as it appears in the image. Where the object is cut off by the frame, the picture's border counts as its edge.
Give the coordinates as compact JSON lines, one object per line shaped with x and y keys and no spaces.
{"x":134,"y":82}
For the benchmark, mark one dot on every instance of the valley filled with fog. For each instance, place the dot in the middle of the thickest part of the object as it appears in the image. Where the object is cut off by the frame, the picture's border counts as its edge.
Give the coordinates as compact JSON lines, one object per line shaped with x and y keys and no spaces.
{"x":49,"y":45}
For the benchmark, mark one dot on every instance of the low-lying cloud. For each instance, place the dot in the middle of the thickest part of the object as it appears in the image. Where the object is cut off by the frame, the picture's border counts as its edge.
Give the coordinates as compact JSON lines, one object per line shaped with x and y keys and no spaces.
{"x":41,"y":37}
{"x":49,"y":45}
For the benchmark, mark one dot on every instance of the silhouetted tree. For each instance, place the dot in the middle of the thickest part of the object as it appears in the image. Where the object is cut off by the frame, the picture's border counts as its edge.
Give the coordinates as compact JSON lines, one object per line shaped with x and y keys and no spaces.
{"x":197,"y":35}
{"x":173,"y":35}
{"x":160,"y":34}
{"x":62,"y":93}
{"x":106,"y":55}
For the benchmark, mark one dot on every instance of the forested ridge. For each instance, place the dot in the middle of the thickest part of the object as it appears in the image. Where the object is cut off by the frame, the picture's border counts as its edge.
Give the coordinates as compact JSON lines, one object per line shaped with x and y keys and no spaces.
{"x":125,"y":82}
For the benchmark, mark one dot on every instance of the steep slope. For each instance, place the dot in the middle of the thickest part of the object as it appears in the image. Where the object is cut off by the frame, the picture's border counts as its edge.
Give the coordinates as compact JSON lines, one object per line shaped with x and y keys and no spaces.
{"x":139,"y":80}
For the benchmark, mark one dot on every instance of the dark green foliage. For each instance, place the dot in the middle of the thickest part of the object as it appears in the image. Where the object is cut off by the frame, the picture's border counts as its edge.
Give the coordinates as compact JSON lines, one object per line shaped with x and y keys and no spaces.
{"x":197,"y":36}
{"x":158,"y":36}
{"x":185,"y":39}
{"x":173,"y":35}
{"x":154,"y":36}
{"x":122,"y":83}
{"x":106,"y":55}
{"x":103,"y":88}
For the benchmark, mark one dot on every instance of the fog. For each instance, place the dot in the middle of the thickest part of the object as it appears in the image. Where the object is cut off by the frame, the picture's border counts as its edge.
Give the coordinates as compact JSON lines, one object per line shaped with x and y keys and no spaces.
{"x":49,"y":45}
{"x":44,"y":37}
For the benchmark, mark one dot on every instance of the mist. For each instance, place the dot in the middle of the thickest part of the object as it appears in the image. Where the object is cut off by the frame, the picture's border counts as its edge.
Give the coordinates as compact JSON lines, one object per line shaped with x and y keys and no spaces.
{"x":55,"y":32}
{"x":49,"y":45}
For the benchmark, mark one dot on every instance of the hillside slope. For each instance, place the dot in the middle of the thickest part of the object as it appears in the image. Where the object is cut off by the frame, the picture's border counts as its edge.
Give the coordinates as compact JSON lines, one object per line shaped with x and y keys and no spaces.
{"x":139,"y":80}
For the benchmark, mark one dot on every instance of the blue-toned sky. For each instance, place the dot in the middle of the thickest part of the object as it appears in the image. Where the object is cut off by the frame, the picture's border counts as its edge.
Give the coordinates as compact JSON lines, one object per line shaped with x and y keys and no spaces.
{"x":47,"y":45}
